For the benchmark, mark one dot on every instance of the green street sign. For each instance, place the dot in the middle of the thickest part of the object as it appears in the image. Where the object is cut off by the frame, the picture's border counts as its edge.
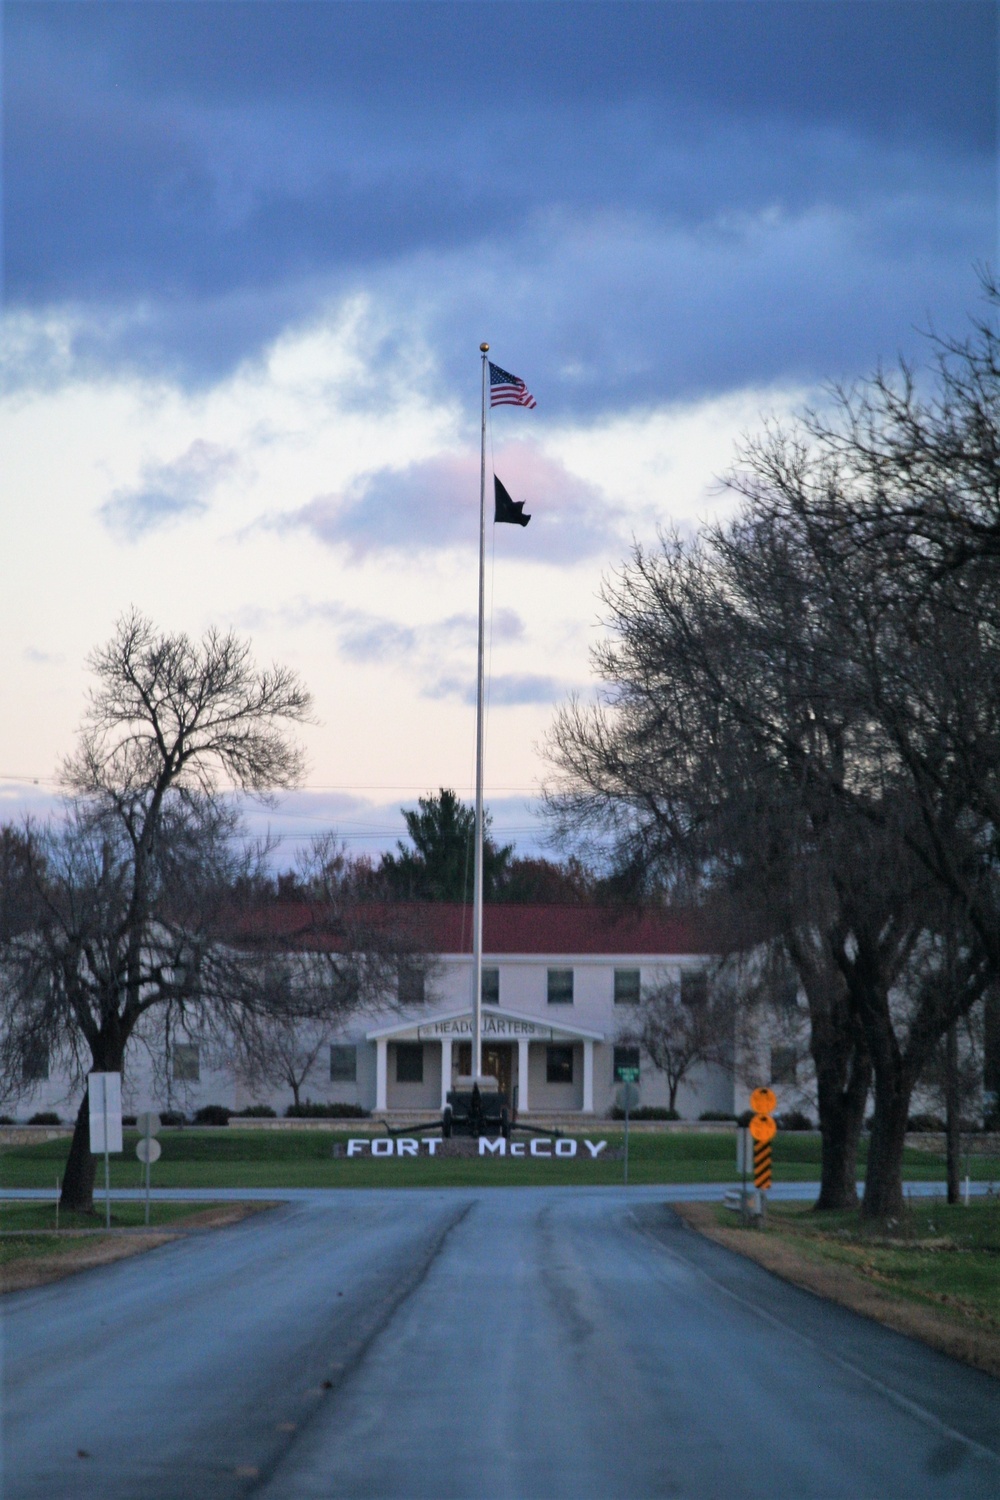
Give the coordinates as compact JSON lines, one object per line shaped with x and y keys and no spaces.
{"x":627,"y":1075}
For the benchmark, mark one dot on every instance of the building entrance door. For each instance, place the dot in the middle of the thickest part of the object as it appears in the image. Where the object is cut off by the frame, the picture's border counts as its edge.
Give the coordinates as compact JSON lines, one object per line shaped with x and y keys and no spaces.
{"x":498,"y":1062}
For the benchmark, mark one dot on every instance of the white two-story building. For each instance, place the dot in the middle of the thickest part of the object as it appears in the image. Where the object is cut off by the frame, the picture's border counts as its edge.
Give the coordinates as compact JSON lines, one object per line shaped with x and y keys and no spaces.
{"x":560,"y":984}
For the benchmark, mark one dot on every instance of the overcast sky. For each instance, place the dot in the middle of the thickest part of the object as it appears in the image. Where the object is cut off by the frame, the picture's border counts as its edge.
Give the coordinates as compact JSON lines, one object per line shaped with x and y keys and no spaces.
{"x":250,"y":251}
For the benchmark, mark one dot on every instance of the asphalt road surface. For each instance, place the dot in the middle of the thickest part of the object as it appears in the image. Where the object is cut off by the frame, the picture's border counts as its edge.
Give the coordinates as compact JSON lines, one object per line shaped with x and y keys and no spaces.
{"x":498,"y":1343}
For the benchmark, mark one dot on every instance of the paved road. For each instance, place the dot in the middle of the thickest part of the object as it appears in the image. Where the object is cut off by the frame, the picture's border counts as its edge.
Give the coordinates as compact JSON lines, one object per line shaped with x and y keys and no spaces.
{"x":504,"y":1343}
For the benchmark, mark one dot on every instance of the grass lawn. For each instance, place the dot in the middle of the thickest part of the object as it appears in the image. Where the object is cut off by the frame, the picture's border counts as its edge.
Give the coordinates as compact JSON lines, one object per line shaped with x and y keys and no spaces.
{"x":211,"y":1158}
{"x":42,"y":1216}
{"x":33,"y":1252}
{"x":936,"y":1253}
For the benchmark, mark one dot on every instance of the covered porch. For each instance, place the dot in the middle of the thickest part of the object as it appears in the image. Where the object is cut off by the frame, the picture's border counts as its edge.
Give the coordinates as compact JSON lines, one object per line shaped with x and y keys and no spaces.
{"x":541,"y":1067}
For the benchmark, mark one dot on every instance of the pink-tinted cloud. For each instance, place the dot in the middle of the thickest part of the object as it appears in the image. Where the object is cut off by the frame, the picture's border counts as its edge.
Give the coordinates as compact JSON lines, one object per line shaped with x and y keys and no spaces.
{"x":434,"y":504}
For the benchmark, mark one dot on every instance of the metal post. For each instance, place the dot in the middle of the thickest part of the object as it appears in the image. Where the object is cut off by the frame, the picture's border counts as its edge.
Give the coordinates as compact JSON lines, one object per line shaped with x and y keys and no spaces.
{"x":627,"y":1087}
{"x":149,"y":1121}
{"x":477,"y":897}
{"x":107,"y":1159}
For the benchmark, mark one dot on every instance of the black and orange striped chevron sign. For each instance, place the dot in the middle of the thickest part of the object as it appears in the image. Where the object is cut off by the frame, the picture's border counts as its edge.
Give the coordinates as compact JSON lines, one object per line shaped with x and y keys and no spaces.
{"x":762,"y":1164}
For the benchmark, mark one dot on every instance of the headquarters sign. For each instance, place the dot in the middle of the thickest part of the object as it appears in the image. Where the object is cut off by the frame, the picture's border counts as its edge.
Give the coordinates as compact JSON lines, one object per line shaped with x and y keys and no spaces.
{"x":509,"y":1027}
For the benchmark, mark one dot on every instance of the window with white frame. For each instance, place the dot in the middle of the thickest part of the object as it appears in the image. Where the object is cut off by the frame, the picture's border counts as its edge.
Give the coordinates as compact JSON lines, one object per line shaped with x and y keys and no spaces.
{"x":784,"y":1064}
{"x":560,"y":987}
{"x":343,"y":1063}
{"x":412,"y":989}
{"x":35,"y":1062}
{"x":626,"y":1059}
{"x":559,"y":1064}
{"x":186,"y":1062}
{"x":694,"y":987}
{"x":627,"y":986}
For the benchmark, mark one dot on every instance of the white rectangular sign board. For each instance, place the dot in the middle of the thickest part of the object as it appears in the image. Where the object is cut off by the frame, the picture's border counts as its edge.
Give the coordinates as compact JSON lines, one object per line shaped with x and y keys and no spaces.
{"x":105,"y":1093}
{"x":744,"y":1152}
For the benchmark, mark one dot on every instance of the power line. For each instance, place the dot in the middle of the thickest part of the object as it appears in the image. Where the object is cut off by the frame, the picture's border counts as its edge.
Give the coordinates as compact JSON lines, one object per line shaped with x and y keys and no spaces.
{"x":318,"y":786}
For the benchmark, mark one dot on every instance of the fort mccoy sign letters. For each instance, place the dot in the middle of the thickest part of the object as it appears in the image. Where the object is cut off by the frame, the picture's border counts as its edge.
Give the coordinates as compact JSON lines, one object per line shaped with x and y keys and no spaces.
{"x":543,"y":1148}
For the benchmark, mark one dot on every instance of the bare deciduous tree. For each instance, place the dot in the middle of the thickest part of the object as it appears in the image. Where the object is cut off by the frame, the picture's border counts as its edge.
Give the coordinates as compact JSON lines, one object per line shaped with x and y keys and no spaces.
{"x":805,"y":707}
{"x":679,"y":1031}
{"x":132,"y":893}
{"x":701,"y":764}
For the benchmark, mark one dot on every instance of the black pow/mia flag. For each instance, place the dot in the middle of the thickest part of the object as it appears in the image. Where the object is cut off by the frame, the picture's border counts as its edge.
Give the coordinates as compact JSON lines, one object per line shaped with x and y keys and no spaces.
{"x":511,"y":511}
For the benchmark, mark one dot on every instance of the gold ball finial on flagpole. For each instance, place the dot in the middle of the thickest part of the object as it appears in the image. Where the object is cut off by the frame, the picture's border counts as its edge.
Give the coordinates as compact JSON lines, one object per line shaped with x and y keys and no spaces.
{"x":484,"y":347}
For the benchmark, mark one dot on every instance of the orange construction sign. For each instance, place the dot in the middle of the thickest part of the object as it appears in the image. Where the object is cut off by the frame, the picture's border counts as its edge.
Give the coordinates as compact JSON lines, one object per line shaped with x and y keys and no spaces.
{"x":763,"y":1128}
{"x":762,"y":1166}
{"x":762,"y":1102}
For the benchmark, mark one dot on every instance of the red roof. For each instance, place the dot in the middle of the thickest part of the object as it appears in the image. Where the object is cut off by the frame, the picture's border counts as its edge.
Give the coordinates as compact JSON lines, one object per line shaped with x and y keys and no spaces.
{"x":443,"y":927}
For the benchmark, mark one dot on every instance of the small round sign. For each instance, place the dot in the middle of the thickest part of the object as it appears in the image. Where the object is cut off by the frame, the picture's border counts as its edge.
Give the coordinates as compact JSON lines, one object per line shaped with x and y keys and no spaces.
{"x":147,"y":1123}
{"x":763,"y":1128}
{"x":628,"y":1096}
{"x":762,"y":1101}
{"x":148,"y":1150}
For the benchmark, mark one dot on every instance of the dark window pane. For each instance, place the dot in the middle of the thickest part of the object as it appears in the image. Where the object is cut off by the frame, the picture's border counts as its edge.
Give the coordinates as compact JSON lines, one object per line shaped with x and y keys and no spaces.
{"x":409,"y":1062}
{"x":559,"y":1064}
{"x":35,"y":1063}
{"x":411,"y":987}
{"x":343,"y":1064}
{"x":694,"y":987}
{"x":625,"y":1057}
{"x":186,"y":1062}
{"x":783,"y":1064}
{"x":626,"y":986}
{"x":491,"y":986}
{"x":560,"y":986}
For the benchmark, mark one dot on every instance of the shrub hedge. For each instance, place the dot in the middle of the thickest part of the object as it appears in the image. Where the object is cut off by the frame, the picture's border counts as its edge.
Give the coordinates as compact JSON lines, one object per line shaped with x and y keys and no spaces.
{"x":310,"y":1111}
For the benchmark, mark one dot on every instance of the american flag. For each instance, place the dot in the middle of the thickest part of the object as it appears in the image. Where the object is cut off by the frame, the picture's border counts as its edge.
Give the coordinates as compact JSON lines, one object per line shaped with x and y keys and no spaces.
{"x":507,"y":390}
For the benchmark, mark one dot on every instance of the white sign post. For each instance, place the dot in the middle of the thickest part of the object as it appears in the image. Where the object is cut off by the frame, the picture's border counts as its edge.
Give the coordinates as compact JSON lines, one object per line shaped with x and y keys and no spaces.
{"x":105,"y":1095}
{"x":147,"y":1149}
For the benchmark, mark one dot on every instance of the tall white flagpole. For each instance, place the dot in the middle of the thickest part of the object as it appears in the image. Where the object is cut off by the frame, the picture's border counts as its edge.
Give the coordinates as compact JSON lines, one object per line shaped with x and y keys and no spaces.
{"x":477,"y":896}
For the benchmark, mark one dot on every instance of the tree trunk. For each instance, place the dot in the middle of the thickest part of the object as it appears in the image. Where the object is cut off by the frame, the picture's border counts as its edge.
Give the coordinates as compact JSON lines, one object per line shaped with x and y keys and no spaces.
{"x":81,"y":1167}
{"x":841,"y":1059}
{"x":884,"y":1178}
{"x":841,"y":1117}
{"x":78,"y":1178}
{"x":953,"y":1140}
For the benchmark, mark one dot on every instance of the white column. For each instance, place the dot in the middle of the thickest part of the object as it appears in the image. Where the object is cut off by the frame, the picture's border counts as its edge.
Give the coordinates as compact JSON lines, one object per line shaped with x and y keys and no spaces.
{"x":381,"y":1071}
{"x":588,"y":1078}
{"x":522,"y":1074}
{"x":445,"y":1069}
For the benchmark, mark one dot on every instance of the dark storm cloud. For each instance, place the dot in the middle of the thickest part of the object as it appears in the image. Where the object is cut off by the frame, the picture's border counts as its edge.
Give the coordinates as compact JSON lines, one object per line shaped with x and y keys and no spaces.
{"x":213,"y":171}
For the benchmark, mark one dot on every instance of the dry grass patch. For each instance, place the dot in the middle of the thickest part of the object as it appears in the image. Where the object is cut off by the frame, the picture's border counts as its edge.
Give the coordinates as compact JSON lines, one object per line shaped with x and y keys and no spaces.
{"x":32,"y":1255}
